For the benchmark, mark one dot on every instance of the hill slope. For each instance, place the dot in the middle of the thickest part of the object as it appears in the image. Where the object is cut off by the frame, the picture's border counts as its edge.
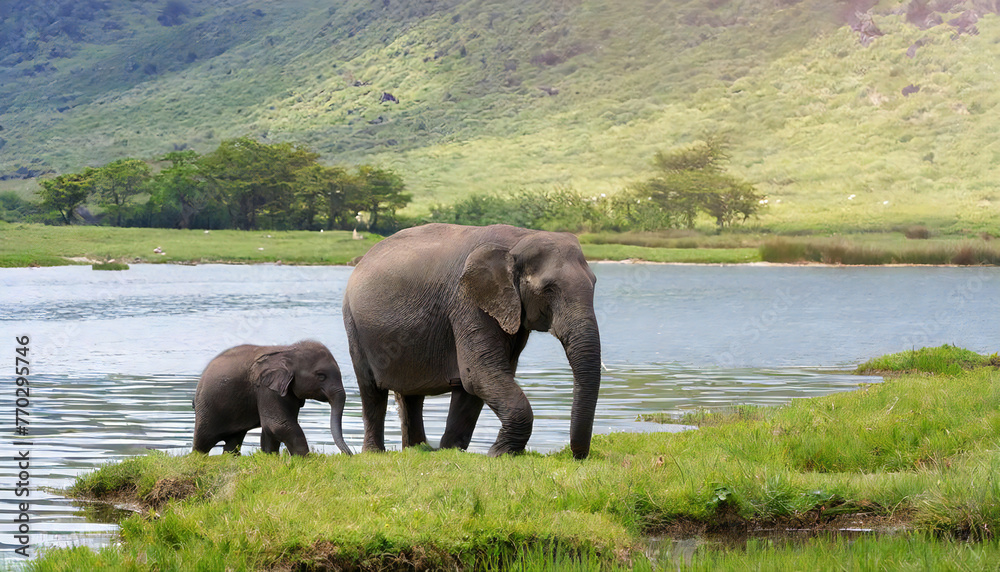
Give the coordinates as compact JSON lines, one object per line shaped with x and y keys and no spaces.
{"x":480,"y":95}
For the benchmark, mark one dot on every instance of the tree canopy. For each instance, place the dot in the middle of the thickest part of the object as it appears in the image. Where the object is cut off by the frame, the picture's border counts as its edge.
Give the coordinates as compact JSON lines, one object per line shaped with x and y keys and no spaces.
{"x":65,"y":193}
{"x":693,"y":179}
{"x":244,"y":184}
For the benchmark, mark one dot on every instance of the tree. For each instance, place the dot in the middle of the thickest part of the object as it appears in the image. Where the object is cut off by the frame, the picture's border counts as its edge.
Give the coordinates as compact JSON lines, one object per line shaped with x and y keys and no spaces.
{"x":334,"y":190}
{"x":381,"y":192}
{"x":181,"y":184}
{"x":255,"y":179}
{"x":118,"y":183}
{"x":67,"y":192}
{"x":693,"y":179}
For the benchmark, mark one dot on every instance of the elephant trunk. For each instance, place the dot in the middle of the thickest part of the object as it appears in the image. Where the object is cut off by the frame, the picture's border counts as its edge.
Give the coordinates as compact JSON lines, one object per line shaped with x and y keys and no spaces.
{"x":582,"y":342}
{"x":337,"y":401}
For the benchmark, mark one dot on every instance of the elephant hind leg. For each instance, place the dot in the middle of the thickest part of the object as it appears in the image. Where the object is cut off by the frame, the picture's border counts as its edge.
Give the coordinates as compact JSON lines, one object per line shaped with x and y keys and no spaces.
{"x":234,"y":443}
{"x":462,"y":417}
{"x":203,"y":443}
{"x":374,"y":403}
{"x":411,"y":419}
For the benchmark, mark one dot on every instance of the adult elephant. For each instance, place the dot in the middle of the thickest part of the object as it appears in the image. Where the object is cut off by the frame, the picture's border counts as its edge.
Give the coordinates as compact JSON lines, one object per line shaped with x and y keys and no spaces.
{"x":265,"y":386}
{"x":444,"y":307}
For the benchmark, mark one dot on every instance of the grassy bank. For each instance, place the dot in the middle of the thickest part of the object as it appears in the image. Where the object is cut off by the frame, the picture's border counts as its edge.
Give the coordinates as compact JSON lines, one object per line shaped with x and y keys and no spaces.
{"x":910,"y":245}
{"x":38,"y":245}
{"x":854,"y":252}
{"x":24,"y":245}
{"x":917,"y":451}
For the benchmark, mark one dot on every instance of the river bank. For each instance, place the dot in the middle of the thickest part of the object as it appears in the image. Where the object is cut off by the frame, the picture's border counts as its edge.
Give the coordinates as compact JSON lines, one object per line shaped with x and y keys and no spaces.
{"x":25,"y":245}
{"x":913,"y":455}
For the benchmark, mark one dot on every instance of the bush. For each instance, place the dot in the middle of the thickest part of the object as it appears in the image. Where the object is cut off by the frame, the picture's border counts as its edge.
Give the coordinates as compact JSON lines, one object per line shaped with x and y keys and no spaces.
{"x":783,"y":251}
{"x":919,"y":232}
{"x":560,"y":209}
{"x":845,"y":252}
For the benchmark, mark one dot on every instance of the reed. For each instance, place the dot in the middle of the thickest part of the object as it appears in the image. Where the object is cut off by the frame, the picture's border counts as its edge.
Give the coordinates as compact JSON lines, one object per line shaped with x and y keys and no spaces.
{"x":850,"y":252}
{"x":109,"y":266}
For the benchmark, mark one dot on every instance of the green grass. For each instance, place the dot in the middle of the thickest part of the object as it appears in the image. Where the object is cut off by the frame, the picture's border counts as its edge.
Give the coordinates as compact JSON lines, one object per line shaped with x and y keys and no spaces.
{"x":109,"y":266}
{"x":710,"y":417}
{"x":15,"y":259}
{"x":22,"y":244}
{"x":688,"y":255}
{"x":945,"y":360}
{"x":917,"y":451}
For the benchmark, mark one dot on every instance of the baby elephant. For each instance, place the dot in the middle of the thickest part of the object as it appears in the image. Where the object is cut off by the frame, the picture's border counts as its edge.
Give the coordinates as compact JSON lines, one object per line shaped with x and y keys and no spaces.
{"x":265,"y":386}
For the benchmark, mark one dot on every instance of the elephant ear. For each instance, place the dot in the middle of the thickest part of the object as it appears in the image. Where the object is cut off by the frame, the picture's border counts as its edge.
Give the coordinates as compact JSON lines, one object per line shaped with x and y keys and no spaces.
{"x":488,"y":281}
{"x":275,"y":372}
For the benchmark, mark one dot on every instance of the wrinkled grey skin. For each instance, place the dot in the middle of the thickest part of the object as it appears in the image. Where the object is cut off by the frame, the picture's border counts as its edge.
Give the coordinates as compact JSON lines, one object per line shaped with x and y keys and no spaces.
{"x":246,"y":387}
{"x":442,"y":308}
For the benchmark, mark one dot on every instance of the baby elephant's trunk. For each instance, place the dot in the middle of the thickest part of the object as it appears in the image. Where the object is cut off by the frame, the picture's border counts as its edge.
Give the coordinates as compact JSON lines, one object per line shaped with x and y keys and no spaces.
{"x":337,"y":401}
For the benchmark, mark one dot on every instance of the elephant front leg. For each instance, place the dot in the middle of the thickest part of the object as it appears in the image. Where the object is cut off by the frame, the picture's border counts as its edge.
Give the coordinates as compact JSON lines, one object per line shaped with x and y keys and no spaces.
{"x":462,"y":417}
{"x":516,"y":420}
{"x":506,"y":399}
{"x":489,"y":375}
{"x":411,"y":419}
{"x":283,"y":431}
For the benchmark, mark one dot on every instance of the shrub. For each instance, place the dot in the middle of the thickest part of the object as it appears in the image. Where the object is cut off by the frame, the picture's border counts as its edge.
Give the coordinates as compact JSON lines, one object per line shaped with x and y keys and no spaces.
{"x":919,"y":232}
{"x":560,"y":209}
{"x":783,"y":251}
{"x":109,"y":266}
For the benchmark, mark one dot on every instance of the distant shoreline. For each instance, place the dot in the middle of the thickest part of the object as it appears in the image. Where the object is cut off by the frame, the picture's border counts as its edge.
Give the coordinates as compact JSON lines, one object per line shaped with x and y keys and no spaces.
{"x":28,"y":245}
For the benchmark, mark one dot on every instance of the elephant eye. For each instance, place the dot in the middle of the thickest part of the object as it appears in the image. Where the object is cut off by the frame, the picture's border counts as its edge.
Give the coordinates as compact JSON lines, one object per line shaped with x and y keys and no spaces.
{"x":321,"y":376}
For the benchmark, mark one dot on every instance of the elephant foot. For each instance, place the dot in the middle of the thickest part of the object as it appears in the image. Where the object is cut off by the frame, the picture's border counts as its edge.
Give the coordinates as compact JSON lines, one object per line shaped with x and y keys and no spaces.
{"x":498,"y":450}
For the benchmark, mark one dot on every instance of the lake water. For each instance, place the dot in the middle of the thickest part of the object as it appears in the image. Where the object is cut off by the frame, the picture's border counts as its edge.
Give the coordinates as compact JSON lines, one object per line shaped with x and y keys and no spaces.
{"x":115,"y":356}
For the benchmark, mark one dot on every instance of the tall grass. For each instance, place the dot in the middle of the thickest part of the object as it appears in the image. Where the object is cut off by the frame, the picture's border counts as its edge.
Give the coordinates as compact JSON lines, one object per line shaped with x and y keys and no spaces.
{"x":843,"y":251}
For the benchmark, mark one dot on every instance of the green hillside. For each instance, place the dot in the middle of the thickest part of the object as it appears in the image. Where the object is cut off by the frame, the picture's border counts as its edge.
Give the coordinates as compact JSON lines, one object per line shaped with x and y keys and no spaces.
{"x":496,"y":95}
